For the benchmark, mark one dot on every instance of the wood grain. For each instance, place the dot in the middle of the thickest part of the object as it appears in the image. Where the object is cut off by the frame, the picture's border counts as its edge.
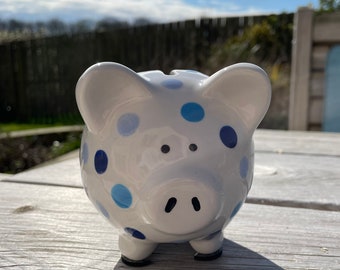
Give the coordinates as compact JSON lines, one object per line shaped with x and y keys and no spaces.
{"x":296,"y":169}
{"x":326,"y":28}
{"x":44,"y":227}
{"x":300,"y":74}
{"x":298,"y":179}
{"x":297,"y":142}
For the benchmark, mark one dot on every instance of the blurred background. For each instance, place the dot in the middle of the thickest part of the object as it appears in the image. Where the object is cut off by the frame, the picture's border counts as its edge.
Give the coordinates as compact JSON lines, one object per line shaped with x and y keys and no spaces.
{"x":46,"y":45}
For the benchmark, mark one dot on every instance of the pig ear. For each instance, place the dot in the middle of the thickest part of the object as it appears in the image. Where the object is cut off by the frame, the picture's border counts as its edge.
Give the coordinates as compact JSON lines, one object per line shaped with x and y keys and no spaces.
{"x":102,"y":88}
{"x":243,"y":87}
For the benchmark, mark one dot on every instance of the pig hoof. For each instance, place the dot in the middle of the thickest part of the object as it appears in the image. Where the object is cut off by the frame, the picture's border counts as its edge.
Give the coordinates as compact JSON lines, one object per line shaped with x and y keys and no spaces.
{"x":208,"y":257}
{"x":135,"y":263}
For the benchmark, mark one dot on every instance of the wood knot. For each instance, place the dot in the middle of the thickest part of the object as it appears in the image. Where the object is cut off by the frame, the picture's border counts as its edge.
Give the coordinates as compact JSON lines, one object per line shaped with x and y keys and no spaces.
{"x":24,"y":209}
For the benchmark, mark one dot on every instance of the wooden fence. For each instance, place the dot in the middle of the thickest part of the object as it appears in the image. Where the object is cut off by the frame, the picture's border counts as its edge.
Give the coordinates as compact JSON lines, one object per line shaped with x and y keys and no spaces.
{"x":314,"y":37}
{"x":38,"y":77}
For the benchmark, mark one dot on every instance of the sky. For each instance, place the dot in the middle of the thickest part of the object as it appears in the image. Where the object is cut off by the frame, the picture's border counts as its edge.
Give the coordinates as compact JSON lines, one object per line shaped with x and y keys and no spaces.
{"x":153,"y":10}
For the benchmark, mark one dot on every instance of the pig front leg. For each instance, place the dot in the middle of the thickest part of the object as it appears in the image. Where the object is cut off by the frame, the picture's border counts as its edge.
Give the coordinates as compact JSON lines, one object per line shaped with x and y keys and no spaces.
{"x":135,"y":252}
{"x":208,"y":248}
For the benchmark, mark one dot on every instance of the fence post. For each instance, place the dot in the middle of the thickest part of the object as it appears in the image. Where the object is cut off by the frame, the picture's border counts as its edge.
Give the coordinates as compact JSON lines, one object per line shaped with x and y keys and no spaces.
{"x":300,"y":72}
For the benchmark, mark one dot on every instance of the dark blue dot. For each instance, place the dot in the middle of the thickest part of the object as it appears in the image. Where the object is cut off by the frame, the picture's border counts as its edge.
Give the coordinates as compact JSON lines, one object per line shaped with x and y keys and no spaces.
{"x":135,"y":233}
{"x":244,"y":166}
{"x":85,"y":153}
{"x":172,"y":84}
{"x":192,"y":112}
{"x":236,"y":209}
{"x":127,"y":124}
{"x":100,"y":161}
{"x":228,"y":136}
{"x":121,"y":195}
{"x":102,"y":209}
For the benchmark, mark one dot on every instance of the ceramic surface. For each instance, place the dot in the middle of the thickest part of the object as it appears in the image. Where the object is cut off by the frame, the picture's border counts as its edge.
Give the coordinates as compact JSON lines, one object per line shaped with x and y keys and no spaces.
{"x":169,"y":158}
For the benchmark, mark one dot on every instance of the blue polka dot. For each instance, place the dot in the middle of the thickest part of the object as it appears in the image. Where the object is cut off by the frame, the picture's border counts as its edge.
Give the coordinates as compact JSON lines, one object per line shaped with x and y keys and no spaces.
{"x":100,"y":161}
{"x":244,"y":165}
{"x":135,"y":233}
{"x":85,"y":153}
{"x":127,"y":124}
{"x":172,"y":84}
{"x":121,"y":195}
{"x":228,"y":136}
{"x":192,"y":112}
{"x":102,"y":209}
{"x":193,"y":71}
{"x":236,"y":209}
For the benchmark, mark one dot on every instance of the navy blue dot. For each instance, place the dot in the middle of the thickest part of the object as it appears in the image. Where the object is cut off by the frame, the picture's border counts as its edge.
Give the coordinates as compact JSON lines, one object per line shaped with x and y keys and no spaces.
{"x":127,"y":124}
{"x":228,"y":136}
{"x":236,"y":209}
{"x":100,"y":161}
{"x":192,"y":112}
{"x":121,"y":195}
{"x":102,"y":209}
{"x":244,"y":166}
{"x":135,"y":233}
{"x":85,"y":153}
{"x":172,"y":84}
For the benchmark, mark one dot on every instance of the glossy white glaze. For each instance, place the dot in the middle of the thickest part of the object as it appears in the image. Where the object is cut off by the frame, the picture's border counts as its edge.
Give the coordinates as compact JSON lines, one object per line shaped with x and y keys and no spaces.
{"x":169,"y":158}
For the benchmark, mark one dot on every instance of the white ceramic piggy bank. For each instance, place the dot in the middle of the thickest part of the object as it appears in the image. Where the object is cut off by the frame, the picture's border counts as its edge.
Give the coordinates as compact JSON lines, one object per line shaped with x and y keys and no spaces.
{"x":169,"y":158}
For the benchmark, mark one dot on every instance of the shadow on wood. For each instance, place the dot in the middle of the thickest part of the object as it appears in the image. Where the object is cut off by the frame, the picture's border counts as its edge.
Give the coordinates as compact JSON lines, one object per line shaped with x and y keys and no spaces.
{"x":181,"y":256}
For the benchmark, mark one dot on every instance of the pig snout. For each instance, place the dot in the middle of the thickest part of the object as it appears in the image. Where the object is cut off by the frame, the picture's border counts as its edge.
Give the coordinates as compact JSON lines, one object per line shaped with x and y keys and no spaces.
{"x":182,"y":205}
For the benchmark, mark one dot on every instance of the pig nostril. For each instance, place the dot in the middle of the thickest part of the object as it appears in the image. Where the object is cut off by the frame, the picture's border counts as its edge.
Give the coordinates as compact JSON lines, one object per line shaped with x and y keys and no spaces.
{"x":196,"y":204}
{"x":170,"y":204}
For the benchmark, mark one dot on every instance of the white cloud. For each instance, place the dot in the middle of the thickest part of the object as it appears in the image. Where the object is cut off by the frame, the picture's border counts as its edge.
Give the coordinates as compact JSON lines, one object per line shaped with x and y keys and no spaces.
{"x":155,"y":10}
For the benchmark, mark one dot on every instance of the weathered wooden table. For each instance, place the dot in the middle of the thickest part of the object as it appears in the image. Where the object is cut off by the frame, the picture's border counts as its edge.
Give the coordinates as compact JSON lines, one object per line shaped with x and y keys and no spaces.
{"x":291,"y":219}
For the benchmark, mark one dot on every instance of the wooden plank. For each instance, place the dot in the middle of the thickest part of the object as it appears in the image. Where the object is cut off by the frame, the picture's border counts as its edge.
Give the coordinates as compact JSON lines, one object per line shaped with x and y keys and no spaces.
{"x":319,"y":57}
{"x":280,"y":179}
{"x":43,"y":227}
{"x":326,"y":28}
{"x":41,"y":131}
{"x":5,"y":176}
{"x":297,"y":181}
{"x":301,"y":55}
{"x":317,"y":84}
{"x":297,"y":142}
{"x":289,"y":167}
{"x":63,"y":173}
{"x":316,"y":111}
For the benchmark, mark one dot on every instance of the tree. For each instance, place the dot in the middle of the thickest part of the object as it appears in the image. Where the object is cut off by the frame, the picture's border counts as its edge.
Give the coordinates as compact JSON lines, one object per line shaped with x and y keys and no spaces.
{"x":56,"y":27}
{"x":329,"y":5}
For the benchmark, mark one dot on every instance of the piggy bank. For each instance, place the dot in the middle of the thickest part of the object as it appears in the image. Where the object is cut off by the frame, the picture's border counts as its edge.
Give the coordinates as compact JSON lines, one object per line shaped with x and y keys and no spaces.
{"x":169,"y":158}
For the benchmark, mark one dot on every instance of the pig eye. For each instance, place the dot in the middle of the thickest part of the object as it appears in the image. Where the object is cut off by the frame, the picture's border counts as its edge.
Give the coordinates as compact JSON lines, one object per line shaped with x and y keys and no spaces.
{"x":165,"y":149}
{"x":193,"y":147}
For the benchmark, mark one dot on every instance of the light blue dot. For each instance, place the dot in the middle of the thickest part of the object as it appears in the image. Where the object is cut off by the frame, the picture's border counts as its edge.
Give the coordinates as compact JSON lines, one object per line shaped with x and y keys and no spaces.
{"x":192,"y":112}
{"x":102,"y":209}
{"x":244,"y":166}
{"x":236,"y":209}
{"x":172,"y":84}
{"x":121,"y":195}
{"x":228,"y":136}
{"x":135,"y":233}
{"x":100,"y":161}
{"x":192,"y":71}
{"x":85,"y":153}
{"x":127,"y":124}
